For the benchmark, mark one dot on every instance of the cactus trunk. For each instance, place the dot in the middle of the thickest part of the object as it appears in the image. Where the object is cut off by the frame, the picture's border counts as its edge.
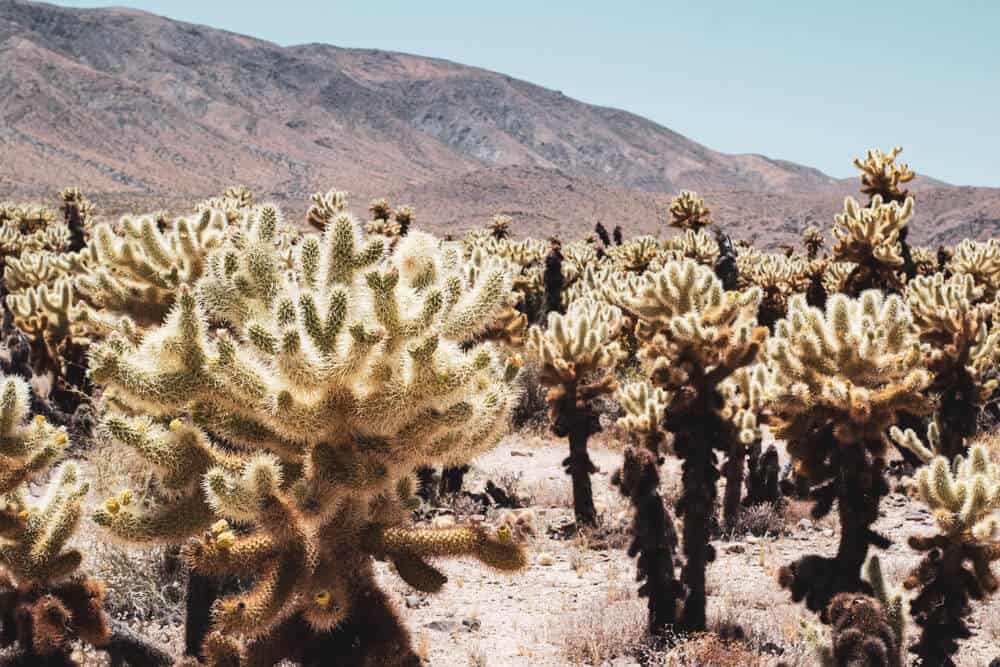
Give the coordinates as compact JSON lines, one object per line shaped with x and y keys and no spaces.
{"x":202,"y":591}
{"x":734,"y":468}
{"x":580,"y":467}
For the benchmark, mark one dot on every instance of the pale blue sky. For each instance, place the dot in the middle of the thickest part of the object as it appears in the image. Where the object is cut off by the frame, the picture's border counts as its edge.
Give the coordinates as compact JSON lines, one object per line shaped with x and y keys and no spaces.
{"x":815,"y":83}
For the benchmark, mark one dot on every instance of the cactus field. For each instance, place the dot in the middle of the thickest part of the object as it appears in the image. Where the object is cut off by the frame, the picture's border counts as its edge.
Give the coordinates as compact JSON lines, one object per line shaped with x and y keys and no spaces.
{"x":250,"y":435}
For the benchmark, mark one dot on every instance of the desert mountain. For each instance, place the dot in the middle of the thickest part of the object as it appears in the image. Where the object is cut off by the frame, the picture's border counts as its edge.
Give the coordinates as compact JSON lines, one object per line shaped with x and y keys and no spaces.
{"x":144,"y":111}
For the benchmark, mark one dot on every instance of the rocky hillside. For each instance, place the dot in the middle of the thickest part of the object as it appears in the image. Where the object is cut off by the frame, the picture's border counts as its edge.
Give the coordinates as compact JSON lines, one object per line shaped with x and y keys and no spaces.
{"x":142,"y":109}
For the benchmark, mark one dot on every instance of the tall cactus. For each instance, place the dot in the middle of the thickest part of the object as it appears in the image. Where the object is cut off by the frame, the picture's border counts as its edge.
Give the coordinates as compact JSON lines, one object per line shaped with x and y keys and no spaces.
{"x":573,"y":351}
{"x":843,"y":377}
{"x":963,"y":496}
{"x":695,"y":336}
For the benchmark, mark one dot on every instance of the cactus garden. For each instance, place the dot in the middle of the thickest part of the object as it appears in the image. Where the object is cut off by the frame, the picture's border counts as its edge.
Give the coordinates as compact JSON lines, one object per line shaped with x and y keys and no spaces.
{"x":245,"y":435}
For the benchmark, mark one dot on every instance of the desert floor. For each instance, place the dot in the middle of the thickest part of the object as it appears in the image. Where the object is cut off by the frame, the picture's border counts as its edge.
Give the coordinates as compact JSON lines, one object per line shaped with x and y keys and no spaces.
{"x":576,"y":603}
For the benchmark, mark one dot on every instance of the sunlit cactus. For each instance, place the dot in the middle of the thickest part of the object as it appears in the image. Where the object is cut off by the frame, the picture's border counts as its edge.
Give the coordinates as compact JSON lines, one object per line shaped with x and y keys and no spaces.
{"x":843,"y":377}
{"x":981,"y":260}
{"x":696,"y":335}
{"x":234,"y":203}
{"x":636,"y":255}
{"x":962,"y":351}
{"x":576,"y":353}
{"x":870,"y":238}
{"x":963,"y":496}
{"x":778,"y":277}
{"x":882,"y":176}
{"x":339,"y":368}
{"x":688,"y":211}
{"x":46,"y":603}
{"x":693,"y":244}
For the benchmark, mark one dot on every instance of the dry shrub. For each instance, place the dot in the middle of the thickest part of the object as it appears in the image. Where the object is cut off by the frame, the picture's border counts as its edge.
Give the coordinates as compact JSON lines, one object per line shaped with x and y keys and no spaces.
{"x":608,"y":630}
{"x":709,"y":650}
{"x":761,"y":520}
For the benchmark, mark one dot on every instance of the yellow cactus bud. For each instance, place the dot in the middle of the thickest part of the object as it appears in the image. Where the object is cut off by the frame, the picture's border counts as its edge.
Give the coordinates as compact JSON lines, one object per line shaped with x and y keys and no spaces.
{"x":61,"y":439}
{"x":503,"y":533}
{"x":125,"y":497}
{"x":112,"y":505}
{"x":226,"y":539}
{"x":39,"y":420}
{"x":219,"y":527}
{"x":322,"y":598}
{"x":176,"y":424}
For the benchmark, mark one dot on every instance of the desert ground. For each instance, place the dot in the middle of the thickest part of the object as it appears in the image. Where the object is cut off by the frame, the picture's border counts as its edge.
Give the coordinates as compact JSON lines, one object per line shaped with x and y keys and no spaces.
{"x":576,"y":603}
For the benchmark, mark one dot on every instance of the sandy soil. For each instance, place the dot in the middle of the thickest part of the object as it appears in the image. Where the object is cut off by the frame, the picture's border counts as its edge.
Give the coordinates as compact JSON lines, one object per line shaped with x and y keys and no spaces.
{"x":581,"y":608}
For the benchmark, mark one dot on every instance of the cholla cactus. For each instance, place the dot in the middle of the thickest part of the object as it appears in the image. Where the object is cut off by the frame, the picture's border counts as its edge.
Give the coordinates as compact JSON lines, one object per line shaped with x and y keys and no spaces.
{"x":636,"y":255}
{"x":325,"y":207}
{"x":963,"y":496}
{"x":78,"y":211}
{"x":925,"y":261}
{"x":882,"y":177}
{"x":778,"y":277}
{"x":688,"y":211}
{"x":746,"y":393}
{"x":868,"y":631}
{"x":861,"y":635}
{"x":981,"y":260}
{"x":961,"y":350}
{"x":654,"y":539}
{"x":693,"y":244}
{"x":842,"y":379}
{"x":335,"y":376}
{"x":500,"y":226}
{"x":813,"y":240}
{"x":573,"y":350}
{"x":234,"y":203}
{"x":696,"y":335}
{"x":870,"y":237}
{"x":45,"y":602}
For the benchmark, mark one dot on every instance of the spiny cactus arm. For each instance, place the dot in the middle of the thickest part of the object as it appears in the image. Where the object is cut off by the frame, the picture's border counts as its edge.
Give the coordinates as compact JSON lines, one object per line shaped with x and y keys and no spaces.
{"x":181,"y":453}
{"x":325,"y":207}
{"x":893,"y":600}
{"x":343,"y":258}
{"x":84,"y":598}
{"x":254,"y":612}
{"x":26,"y":448}
{"x":499,"y":551}
{"x":35,"y":552}
{"x":219,"y":552}
{"x":168,"y":522}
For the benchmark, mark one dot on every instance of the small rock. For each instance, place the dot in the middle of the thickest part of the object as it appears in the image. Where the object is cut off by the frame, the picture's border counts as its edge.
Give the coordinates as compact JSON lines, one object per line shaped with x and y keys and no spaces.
{"x":413,"y":601}
{"x":471,"y":624}
{"x":804,"y":524}
{"x":514,"y":452}
{"x":828,"y":532}
{"x":442,"y":626}
{"x":735,"y":549}
{"x":545,"y":559}
{"x":751,"y":539}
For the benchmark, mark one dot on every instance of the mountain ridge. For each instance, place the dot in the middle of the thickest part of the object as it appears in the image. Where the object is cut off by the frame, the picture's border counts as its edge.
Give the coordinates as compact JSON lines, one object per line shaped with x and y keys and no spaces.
{"x":133,"y":105}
